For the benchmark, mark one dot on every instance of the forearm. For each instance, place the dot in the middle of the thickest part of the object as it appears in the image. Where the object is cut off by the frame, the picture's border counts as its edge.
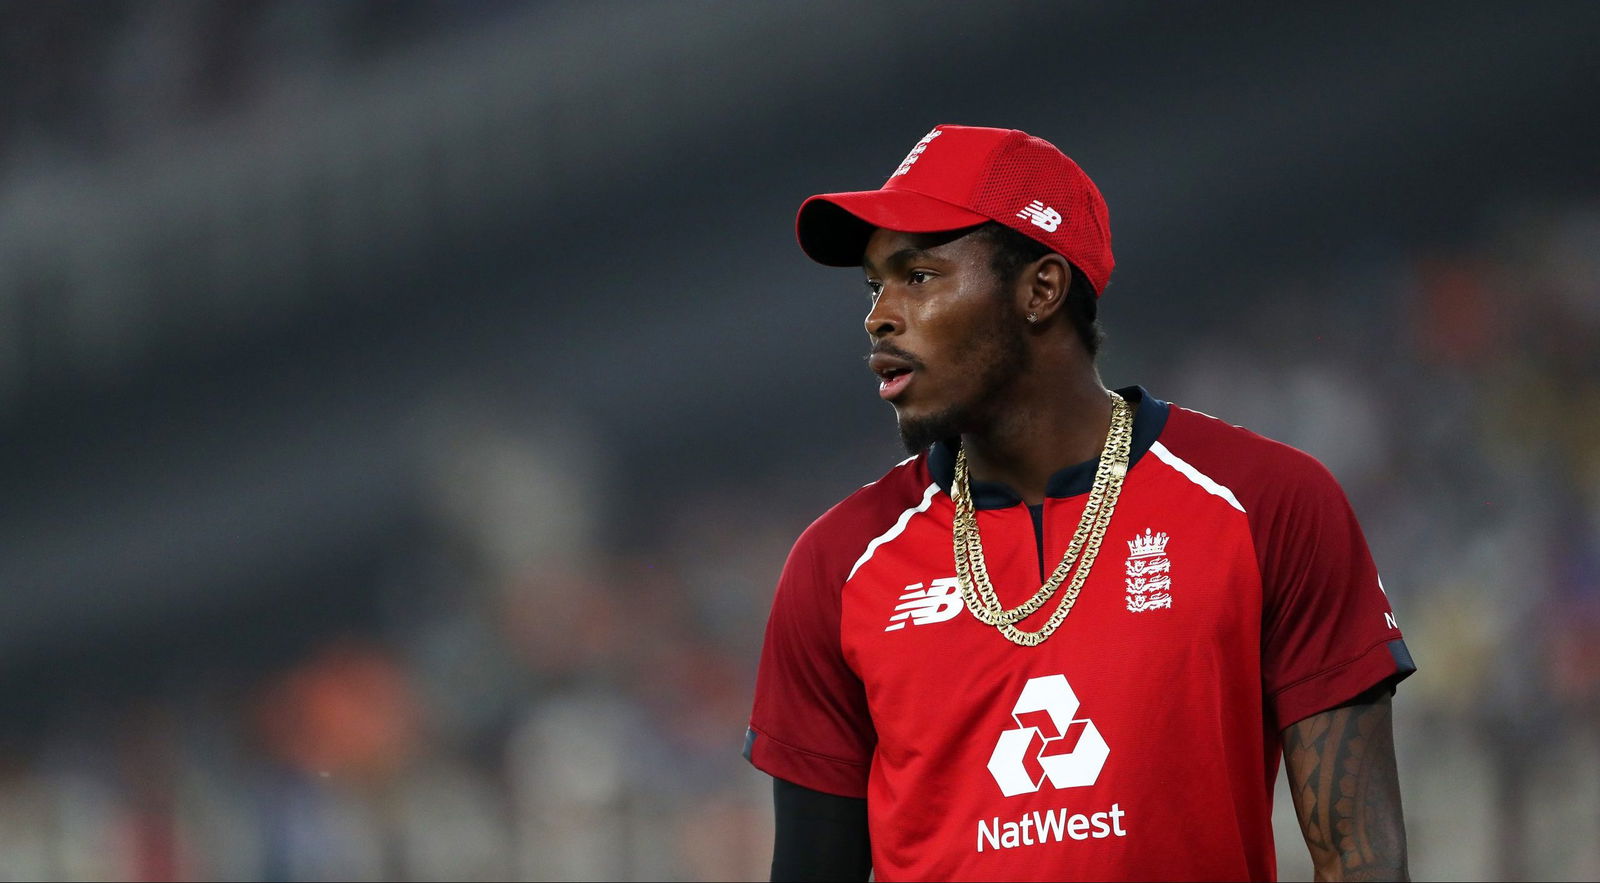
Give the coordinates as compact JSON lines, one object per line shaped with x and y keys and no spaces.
{"x":818,"y":836}
{"x":1346,"y":791}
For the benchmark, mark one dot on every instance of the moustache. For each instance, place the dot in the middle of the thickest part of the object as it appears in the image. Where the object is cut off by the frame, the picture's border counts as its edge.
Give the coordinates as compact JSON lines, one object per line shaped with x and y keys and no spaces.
{"x":888,"y":349}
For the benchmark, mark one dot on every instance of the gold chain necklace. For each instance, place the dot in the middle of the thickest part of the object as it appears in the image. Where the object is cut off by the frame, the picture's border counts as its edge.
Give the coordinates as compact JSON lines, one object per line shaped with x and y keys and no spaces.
{"x":976,"y":589}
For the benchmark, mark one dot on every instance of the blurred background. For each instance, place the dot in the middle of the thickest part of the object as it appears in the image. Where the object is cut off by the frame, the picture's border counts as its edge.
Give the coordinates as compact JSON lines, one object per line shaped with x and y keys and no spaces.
{"x":406,"y":407}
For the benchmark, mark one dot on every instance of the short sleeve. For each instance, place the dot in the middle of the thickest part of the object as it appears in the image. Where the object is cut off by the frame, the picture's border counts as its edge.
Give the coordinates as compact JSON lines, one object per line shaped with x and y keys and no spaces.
{"x":1328,"y":632}
{"x":810,"y":724}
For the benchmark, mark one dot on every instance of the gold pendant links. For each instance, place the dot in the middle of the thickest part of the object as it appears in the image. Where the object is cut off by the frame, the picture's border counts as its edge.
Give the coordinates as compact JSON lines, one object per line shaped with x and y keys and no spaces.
{"x":973,"y":575}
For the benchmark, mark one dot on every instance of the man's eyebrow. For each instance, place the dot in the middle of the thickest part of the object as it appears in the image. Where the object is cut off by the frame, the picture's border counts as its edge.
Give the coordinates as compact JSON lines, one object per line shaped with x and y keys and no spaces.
{"x":900,"y":258}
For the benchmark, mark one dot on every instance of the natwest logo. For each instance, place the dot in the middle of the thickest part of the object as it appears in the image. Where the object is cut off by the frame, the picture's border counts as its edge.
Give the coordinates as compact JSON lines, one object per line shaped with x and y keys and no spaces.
{"x":1048,"y":742}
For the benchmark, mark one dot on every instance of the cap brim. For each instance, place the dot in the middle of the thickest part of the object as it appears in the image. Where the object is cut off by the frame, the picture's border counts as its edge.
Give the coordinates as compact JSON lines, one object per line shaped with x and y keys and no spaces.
{"x":833,"y":228}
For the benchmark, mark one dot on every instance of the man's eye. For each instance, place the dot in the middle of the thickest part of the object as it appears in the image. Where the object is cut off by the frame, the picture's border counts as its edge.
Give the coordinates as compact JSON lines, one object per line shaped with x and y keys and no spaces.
{"x":917,"y":277}
{"x":874,"y":288}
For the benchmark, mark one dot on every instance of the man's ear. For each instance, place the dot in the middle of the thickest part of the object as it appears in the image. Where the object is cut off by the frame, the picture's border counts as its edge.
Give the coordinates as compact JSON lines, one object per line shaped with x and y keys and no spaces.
{"x":1044,"y":286}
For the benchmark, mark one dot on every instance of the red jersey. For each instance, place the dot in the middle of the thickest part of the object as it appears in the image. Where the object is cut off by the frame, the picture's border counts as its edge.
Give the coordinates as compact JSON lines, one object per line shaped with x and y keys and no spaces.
{"x":1233,"y":595}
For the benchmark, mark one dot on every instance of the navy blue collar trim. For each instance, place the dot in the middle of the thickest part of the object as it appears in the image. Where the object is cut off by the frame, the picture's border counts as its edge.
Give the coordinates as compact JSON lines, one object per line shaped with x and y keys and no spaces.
{"x":1148,"y":421}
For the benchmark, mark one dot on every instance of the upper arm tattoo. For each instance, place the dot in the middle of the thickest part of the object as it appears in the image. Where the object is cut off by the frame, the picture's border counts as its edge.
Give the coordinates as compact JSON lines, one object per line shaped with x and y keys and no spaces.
{"x":1346,"y":791}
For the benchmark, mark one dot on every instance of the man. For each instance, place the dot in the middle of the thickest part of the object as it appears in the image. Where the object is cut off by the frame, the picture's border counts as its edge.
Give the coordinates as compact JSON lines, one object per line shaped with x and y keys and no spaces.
{"x":1071,"y":635}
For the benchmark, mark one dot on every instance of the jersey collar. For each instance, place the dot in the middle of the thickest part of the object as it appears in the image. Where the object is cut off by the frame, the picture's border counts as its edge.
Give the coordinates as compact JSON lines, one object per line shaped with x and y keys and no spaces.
{"x":1148,"y":422}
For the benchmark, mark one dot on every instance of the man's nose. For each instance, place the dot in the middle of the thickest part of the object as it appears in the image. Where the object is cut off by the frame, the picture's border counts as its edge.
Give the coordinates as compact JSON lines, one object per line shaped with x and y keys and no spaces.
{"x":883,"y":319}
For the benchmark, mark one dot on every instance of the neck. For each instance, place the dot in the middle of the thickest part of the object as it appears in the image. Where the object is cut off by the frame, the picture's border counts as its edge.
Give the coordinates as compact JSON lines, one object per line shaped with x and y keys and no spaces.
{"x":1040,"y":427}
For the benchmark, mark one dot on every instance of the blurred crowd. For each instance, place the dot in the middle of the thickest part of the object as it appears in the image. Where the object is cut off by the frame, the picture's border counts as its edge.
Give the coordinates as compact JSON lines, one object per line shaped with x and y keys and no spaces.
{"x":564,"y":702}
{"x":87,"y":80}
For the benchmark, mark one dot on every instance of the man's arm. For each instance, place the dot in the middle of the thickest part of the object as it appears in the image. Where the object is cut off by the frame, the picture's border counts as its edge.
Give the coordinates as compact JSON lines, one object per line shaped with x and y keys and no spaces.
{"x":1346,"y":790}
{"x":819,"y":836}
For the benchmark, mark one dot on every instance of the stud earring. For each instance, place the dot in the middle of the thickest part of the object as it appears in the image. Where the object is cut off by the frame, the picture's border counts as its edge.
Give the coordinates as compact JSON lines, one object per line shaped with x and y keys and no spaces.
{"x":1033,"y":317}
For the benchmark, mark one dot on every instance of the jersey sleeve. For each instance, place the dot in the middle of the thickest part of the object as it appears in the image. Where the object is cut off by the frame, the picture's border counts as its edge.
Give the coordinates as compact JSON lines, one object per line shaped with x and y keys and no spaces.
{"x":1328,"y":632}
{"x":810,"y":724}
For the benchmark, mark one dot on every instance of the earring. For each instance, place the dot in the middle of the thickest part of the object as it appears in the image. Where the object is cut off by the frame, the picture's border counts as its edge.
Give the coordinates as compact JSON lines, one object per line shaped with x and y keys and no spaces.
{"x":1033,"y":317}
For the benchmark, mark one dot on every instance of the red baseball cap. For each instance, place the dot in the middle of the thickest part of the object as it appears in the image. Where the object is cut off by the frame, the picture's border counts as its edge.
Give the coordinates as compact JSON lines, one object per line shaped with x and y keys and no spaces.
{"x":962,"y":176}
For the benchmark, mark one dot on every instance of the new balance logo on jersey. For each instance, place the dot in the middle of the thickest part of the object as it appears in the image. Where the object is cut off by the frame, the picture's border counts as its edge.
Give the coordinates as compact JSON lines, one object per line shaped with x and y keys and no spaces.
{"x":940,"y":601}
{"x":1047,"y":743}
{"x":1388,"y":617}
{"x":1042,"y":216}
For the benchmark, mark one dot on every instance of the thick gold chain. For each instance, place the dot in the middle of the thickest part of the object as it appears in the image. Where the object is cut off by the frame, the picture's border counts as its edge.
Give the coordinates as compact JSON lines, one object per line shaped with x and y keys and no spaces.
{"x":973,"y":575}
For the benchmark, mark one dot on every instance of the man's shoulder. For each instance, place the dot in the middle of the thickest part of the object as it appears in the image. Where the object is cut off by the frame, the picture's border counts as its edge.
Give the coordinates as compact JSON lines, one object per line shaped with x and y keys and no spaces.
{"x":1254,"y":467}
{"x":840,"y":534}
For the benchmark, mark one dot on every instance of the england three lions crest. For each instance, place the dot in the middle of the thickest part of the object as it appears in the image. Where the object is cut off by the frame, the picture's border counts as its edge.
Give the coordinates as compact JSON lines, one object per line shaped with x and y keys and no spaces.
{"x":1149,"y":572}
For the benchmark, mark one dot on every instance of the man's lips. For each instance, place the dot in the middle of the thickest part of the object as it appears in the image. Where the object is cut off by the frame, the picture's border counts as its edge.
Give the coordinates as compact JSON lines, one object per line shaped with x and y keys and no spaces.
{"x":891,"y":387}
{"x":894,"y":373}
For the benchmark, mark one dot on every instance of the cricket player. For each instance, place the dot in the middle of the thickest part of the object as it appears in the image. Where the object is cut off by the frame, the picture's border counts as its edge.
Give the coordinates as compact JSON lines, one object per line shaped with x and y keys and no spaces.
{"x":1070,"y":637}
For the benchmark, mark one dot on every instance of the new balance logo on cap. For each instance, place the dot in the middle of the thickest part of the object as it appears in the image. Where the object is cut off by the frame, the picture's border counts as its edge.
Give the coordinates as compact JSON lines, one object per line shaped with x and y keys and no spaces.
{"x":1042,"y":216}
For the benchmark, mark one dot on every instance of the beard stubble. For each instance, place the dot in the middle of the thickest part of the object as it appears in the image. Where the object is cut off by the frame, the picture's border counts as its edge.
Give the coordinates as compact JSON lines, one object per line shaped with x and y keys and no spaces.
{"x":1000,"y":354}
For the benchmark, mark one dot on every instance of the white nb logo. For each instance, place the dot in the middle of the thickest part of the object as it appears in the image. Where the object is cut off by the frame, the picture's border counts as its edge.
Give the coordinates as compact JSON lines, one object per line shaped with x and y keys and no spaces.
{"x":938,"y":602}
{"x":1042,"y":216}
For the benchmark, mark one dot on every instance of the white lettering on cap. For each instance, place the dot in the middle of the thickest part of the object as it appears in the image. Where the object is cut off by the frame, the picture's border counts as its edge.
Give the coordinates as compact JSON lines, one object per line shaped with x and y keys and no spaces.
{"x":916,"y":153}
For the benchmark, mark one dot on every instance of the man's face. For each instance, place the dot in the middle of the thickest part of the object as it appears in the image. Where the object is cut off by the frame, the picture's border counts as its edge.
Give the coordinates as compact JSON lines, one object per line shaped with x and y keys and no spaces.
{"x":946,"y":338}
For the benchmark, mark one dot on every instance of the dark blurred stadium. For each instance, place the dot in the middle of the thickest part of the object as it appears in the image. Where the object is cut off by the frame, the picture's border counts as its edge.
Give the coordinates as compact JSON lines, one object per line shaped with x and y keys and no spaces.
{"x":407,"y":407}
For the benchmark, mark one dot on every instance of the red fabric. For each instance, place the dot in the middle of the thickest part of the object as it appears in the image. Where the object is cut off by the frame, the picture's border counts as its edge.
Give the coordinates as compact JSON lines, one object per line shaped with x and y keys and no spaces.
{"x":960,"y":176}
{"x":811,"y":721}
{"x":965,"y":744}
{"x":1326,"y":619}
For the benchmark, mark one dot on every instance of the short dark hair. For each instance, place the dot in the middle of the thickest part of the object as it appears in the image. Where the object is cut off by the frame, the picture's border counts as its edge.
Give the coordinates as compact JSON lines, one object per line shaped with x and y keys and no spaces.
{"x":1013,"y":251}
